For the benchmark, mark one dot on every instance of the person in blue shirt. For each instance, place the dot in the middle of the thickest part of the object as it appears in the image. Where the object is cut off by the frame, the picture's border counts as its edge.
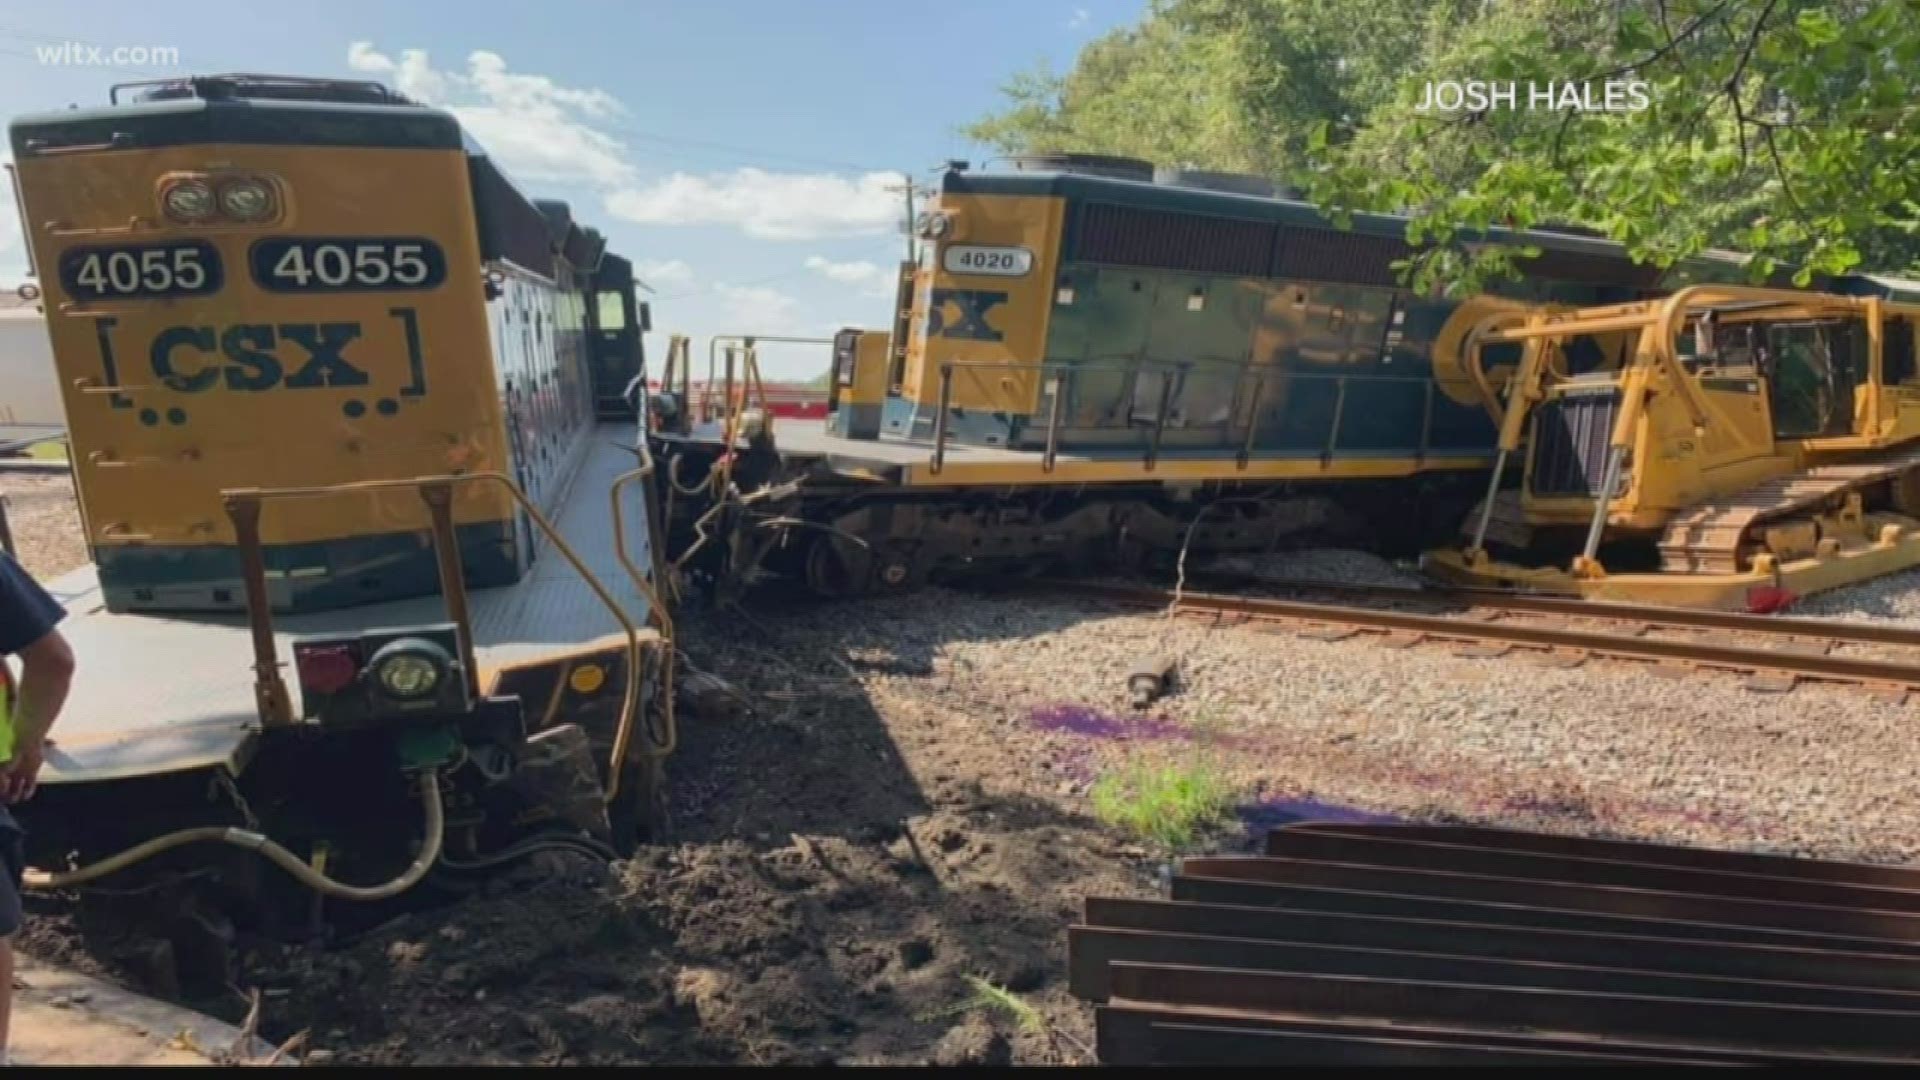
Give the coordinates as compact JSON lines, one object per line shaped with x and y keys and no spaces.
{"x":29,"y":633}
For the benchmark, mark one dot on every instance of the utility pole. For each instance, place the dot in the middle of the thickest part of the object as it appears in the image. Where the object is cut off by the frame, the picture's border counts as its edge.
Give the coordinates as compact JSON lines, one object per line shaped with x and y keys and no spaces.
{"x":913,"y":248}
{"x":907,"y":187}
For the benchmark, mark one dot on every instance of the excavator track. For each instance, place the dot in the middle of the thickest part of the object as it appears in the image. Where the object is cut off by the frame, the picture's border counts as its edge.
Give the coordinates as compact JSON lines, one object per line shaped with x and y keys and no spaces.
{"x":1708,"y":538}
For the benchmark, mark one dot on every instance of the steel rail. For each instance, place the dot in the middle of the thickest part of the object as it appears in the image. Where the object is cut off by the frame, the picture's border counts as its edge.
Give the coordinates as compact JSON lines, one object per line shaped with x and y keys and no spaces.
{"x":1739,"y":658}
{"x":1571,"y":607}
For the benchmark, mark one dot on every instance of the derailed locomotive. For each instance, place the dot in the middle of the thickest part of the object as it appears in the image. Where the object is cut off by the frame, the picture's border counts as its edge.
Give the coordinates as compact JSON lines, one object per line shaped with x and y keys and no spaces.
{"x":1094,"y":361}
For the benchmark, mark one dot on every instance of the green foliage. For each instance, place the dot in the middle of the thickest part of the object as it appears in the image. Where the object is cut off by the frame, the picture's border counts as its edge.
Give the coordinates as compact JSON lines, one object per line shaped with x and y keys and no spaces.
{"x":1170,"y":803}
{"x":1782,"y":128}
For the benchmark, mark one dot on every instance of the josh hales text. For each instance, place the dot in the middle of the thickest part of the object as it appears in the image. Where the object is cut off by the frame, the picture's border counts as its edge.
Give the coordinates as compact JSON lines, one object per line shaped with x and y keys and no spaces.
{"x":1475,"y":95}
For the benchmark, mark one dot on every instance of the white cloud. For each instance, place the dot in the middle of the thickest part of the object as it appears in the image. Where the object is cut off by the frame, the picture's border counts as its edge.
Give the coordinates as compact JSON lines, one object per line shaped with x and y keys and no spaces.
{"x":757,"y":309}
{"x":766,"y":205}
{"x":539,"y":130}
{"x":875,"y":280}
{"x":851,"y":273}
{"x":1079,"y":19}
{"x":543,"y":132}
{"x":659,"y":272}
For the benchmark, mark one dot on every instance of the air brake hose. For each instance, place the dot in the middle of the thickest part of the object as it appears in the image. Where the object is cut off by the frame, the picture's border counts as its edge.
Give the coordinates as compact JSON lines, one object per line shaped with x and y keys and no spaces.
{"x":429,"y":853}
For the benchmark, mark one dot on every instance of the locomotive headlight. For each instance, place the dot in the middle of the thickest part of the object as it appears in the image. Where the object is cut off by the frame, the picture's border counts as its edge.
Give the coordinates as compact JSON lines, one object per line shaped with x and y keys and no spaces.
{"x":410,"y":668}
{"x":247,"y":200}
{"x":188,"y":201}
{"x":934,"y":224}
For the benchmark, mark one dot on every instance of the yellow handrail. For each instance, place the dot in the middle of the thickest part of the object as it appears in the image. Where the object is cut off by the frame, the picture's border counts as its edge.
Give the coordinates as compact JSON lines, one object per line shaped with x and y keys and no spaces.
{"x":655,"y":607}
{"x":623,"y":733}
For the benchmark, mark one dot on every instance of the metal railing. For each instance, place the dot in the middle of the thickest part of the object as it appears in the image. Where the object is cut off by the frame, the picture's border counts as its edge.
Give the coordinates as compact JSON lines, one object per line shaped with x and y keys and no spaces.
{"x":275,"y":704}
{"x":1249,"y":383}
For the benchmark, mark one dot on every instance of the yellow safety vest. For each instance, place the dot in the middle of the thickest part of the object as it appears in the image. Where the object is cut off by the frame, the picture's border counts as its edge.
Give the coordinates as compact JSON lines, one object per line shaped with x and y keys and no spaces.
{"x":6,"y":711}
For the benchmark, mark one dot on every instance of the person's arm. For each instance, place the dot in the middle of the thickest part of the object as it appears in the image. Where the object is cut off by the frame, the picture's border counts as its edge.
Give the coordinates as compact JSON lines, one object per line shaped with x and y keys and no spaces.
{"x":46,"y":672}
{"x":29,"y":620}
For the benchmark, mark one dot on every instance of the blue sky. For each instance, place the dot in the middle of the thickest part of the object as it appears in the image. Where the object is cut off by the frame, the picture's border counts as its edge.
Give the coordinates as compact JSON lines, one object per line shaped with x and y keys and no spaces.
{"x":737,"y":149}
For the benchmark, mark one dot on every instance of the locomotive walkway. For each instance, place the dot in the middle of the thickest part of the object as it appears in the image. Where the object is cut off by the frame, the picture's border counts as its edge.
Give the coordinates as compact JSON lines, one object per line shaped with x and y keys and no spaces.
{"x":61,"y":1017}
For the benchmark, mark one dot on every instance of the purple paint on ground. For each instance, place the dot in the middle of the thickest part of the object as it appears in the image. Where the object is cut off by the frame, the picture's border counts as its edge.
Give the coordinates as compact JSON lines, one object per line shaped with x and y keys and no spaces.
{"x":1092,"y":723}
{"x":1273,"y":813}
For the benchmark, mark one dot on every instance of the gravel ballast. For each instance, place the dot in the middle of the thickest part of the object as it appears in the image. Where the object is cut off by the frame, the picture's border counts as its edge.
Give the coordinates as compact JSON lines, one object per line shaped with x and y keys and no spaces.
{"x":1893,"y":600}
{"x":45,"y":520}
{"x":1608,"y":748}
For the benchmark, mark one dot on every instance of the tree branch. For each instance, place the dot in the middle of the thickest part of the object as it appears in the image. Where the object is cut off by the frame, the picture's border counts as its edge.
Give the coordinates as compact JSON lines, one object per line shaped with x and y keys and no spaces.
{"x":1780,"y":170}
{"x":1739,"y":69}
{"x":1746,"y":54}
{"x":1560,"y":133}
{"x":1673,"y":43}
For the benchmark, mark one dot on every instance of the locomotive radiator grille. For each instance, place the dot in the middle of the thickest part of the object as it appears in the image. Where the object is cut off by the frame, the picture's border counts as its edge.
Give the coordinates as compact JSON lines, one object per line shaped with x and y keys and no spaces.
{"x":1570,"y":439}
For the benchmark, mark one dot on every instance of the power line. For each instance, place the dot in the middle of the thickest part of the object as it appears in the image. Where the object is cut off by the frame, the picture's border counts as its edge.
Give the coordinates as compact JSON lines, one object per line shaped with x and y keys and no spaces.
{"x":769,"y":279}
{"x":770,"y":155}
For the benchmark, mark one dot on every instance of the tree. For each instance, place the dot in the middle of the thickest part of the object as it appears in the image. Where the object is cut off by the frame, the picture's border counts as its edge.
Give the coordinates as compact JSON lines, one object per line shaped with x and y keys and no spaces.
{"x":1220,"y":84}
{"x":1782,"y":128}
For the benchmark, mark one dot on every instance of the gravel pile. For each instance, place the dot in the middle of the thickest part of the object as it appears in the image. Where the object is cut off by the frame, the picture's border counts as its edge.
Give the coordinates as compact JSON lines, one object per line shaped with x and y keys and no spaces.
{"x":1335,"y":565}
{"x":1604,"y":749}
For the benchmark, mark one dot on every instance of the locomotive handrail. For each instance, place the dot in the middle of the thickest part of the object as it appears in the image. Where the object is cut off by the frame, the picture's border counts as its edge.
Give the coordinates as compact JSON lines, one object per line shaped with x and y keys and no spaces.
{"x":751,"y":362}
{"x":1058,"y":375}
{"x":655,"y":608}
{"x":270,"y":689}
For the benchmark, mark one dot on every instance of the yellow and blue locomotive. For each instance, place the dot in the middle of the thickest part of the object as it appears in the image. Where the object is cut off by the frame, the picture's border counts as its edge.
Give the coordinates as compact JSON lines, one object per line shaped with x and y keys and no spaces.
{"x":1094,"y":358}
{"x":253,"y":280}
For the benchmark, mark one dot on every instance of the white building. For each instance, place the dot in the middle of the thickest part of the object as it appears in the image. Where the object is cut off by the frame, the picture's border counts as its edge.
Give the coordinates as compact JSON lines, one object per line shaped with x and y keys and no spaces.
{"x":29,"y":389}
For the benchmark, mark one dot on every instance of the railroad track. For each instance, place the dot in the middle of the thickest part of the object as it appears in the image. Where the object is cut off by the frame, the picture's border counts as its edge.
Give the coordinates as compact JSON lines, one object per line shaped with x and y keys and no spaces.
{"x":1774,"y":653}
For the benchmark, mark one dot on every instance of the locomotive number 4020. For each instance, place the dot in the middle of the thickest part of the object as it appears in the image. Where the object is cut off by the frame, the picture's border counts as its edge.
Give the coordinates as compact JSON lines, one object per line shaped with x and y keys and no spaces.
{"x":988,"y":259}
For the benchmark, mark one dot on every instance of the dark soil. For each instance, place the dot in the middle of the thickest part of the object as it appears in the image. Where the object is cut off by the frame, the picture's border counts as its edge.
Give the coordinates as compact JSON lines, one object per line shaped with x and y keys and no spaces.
{"x":845,"y":854}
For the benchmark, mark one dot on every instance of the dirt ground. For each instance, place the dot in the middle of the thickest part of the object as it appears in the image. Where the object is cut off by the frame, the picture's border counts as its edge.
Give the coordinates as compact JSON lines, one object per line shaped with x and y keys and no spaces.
{"x":845,"y":855}
{"x":839,"y":870}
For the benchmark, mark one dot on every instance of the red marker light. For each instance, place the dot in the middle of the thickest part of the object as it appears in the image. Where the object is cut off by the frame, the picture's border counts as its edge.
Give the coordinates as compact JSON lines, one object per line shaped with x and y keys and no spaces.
{"x":326,"y":669}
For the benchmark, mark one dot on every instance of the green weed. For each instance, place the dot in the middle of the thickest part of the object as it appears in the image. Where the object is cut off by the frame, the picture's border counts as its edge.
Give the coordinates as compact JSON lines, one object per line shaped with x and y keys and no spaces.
{"x":1169,"y":803}
{"x":997,"y":1000}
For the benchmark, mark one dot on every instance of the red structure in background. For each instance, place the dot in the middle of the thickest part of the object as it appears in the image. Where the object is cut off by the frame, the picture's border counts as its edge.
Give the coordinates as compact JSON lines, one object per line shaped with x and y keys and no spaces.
{"x":795,"y":400}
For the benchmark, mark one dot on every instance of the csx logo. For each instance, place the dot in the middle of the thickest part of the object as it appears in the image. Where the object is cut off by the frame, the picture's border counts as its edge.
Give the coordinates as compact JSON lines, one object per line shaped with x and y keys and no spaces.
{"x":254,"y":357}
{"x":250,"y":357}
{"x":962,"y":313}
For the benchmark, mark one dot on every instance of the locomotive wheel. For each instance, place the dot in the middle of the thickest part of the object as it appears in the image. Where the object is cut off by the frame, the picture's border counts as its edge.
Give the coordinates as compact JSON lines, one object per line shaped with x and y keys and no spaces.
{"x":897,"y":568}
{"x":838,"y":568}
{"x":842,"y":569}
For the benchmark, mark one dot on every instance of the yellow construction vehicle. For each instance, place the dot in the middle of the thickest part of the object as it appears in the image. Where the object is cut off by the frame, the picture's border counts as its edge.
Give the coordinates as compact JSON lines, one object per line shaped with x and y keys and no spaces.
{"x":1724,"y":447}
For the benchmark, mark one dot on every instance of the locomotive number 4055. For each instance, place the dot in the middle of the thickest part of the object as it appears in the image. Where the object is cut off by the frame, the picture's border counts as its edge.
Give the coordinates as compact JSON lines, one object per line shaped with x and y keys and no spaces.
{"x":347,"y":264}
{"x":140,"y":270}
